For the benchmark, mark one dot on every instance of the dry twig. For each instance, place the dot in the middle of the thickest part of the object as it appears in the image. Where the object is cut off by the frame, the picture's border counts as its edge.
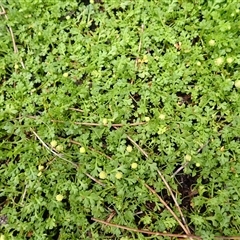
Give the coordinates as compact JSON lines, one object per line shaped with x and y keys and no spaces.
{"x":175,"y":201}
{"x":55,"y":153}
{"x":94,"y":179}
{"x":168,"y":208}
{"x":97,"y":124}
{"x":24,"y":194}
{"x":101,"y":124}
{"x":184,"y":227}
{"x":12,"y":35}
{"x":60,"y":156}
{"x":145,"y":231}
{"x":136,"y":145}
{"x":76,"y":109}
{"x":140,"y":44}
{"x":2,"y":13}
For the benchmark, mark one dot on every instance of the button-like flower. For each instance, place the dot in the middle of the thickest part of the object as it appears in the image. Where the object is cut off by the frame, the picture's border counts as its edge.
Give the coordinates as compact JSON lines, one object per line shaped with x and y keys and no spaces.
{"x":119,"y":175}
{"x":40,"y":167}
{"x":82,"y":150}
{"x":212,"y":42}
{"x":53,"y":143}
{"x":219,"y":61}
{"x":162,"y":116}
{"x":147,"y":119}
{"x":134,"y":165}
{"x":59,"y":148}
{"x":188,"y":158}
{"x":104,"y":121}
{"x":129,"y":148}
{"x":59,"y":197}
{"x":237,"y":84}
{"x":102,"y":175}
{"x":65,"y":75}
{"x":229,"y":60}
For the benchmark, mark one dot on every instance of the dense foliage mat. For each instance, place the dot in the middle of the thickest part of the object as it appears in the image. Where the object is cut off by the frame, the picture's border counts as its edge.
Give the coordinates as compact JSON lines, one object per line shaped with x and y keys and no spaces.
{"x":97,"y":97}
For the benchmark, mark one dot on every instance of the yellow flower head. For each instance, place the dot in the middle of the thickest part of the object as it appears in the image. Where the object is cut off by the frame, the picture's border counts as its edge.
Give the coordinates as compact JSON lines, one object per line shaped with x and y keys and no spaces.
{"x":105,"y":121}
{"x":102,"y":175}
{"x":129,"y":148}
{"x":134,"y":165}
{"x":53,"y":143}
{"x":82,"y":150}
{"x":162,"y":116}
{"x":59,"y":197}
{"x":65,"y":75}
{"x":211,"y":42}
{"x":237,"y":84}
{"x":119,"y":175}
{"x":219,"y":61}
{"x":188,"y":158}
{"x":229,"y":60}
{"x":147,"y":119}
{"x":40,"y":167}
{"x":59,"y":148}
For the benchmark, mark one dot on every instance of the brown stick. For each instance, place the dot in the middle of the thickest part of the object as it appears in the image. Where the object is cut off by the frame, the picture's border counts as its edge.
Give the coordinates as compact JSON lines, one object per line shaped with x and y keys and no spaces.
{"x":175,"y":201}
{"x":136,"y":145}
{"x":12,"y":35}
{"x":97,"y":124}
{"x":144,"y":231}
{"x":168,"y":208}
{"x":66,"y":160}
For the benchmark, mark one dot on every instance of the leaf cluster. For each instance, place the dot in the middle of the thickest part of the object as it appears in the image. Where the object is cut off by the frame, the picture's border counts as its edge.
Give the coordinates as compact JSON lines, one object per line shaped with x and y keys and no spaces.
{"x":170,"y":68}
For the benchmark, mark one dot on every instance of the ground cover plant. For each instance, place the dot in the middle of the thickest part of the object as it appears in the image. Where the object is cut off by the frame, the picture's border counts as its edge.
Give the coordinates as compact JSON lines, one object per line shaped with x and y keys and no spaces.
{"x":119,"y":119}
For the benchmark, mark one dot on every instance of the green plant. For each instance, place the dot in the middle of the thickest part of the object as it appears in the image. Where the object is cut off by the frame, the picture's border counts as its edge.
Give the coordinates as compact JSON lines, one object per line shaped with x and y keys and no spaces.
{"x":101,"y":95}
